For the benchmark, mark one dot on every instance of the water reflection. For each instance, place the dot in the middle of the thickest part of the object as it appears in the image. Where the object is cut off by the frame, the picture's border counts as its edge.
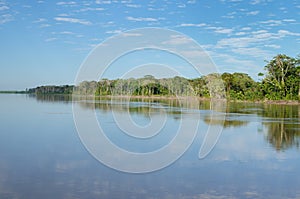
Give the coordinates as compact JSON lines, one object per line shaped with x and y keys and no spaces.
{"x":283,"y":126}
{"x":281,"y":122}
{"x":282,"y":135}
{"x":52,"y":98}
{"x":228,"y":123}
{"x":42,"y":156}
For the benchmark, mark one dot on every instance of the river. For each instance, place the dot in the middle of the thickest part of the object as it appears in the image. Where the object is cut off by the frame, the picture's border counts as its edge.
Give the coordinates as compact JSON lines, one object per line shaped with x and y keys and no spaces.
{"x":42,"y":154}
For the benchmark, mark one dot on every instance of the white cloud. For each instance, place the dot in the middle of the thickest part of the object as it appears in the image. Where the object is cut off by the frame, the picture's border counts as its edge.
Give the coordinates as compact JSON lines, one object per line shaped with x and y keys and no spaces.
{"x":273,"y":46}
{"x":232,"y":1}
{"x":73,"y":20}
{"x":282,"y":8}
{"x":181,"y":6}
{"x":195,"y":54}
{"x":255,"y":2}
{"x":63,"y":15}
{"x":113,"y":32}
{"x":51,"y":39}
{"x":253,"y":43}
{"x":110,"y":22}
{"x":66,"y":33}
{"x":192,"y":25}
{"x":233,"y":42}
{"x":230,"y":15}
{"x":221,"y":30}
{"x":283,"y":33}
{"x":131,"y":34}
{"x":277,"y":22}
{"x":90,"y":9}
{"x":233,"y":60}
{"x":27,"y":6}
{"x":123,"y":34}
{"x":246,"y":28}
{"x":66,"y":3}
{"x":6,"y":18}
{"x":192,"y":2}
{"x":126,"y":1}
{"x":133,"y":6}
{"x":4,"y":8}
{"x":253,"y":52}
{"x":177,"y":40}
{"x":272,"y":22}
{"x":289,"y":20}
{"x":141,"y":19}
{"x":253,"y":13}
{"x":40,"y":20}
{"x":255,"y":37}
{"x":44,"y":25}
{"x":232,"y":63}
{"x":152,"y":7}
{"x":240,"y":33}
{"x":103,"y":2}
{"x":96,"y":39}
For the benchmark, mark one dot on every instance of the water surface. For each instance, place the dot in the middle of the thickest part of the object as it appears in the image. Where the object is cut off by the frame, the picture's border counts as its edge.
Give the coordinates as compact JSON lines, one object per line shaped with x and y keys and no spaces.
{"x":41,"y":155}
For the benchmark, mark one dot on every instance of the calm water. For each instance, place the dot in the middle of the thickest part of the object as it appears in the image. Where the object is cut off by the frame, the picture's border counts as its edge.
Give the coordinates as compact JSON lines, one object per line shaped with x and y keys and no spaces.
{"x":41,"y":155}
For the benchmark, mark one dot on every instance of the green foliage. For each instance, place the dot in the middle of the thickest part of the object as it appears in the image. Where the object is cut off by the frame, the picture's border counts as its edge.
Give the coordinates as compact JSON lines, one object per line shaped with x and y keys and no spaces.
{"x":281,"y":81}
{"x":66,"y":89}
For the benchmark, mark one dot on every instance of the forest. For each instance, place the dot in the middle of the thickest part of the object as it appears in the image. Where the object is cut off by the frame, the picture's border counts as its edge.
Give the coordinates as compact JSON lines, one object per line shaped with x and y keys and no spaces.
{"x":280,"y":81}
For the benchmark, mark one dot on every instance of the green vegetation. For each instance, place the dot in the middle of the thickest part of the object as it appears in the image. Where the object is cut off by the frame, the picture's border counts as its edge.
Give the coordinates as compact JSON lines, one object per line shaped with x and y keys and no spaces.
{"x":13,"y":92}
{"x":281,"y":81}
{"x":66,"y":89}
{"x":283,"y":78}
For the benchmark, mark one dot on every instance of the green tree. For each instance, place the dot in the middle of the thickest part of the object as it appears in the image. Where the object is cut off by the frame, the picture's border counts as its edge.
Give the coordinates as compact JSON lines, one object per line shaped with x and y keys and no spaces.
{"x":281,"y":78}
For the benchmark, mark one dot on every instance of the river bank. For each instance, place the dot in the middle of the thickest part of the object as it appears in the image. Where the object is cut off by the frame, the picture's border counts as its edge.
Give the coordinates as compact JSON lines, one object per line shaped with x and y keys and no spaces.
{"x":154,"y":97}
{"x":283,"y":102}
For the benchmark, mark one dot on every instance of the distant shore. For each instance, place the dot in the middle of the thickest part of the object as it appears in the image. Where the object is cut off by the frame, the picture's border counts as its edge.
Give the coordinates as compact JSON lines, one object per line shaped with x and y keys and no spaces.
{"x":14,"y":92}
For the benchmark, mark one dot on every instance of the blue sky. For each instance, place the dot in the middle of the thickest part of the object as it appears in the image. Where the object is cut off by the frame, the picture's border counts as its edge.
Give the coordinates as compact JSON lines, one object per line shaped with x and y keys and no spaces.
{"x":45,"y":42}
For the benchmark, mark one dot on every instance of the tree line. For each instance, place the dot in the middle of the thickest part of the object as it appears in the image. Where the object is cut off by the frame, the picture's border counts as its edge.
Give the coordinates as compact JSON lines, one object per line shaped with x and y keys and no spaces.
{"x":65,"y":89}
{"x":281,"y":81}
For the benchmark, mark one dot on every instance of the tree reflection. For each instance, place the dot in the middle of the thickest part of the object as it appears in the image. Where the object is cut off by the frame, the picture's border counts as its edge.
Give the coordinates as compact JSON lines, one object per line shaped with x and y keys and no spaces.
{"x":227,"y":123}
{"x":281,"y":122}
{"x":63,"y":98}
{"x":282,"y":135}
{"x":229,"y":120}
{"x":283,"y":129}
{"x":142,"y":106}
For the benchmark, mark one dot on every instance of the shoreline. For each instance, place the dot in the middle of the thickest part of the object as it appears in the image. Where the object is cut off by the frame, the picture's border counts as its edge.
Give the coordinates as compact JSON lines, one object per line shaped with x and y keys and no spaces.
{"x":276,"y":102}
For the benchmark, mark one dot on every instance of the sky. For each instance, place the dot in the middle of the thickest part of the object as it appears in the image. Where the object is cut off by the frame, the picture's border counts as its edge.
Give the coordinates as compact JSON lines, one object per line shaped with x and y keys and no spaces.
{"x":45,"y":42}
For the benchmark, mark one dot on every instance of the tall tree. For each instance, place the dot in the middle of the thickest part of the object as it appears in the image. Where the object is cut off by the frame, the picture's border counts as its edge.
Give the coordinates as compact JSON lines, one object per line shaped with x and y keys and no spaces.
{"x":279,"y":70}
